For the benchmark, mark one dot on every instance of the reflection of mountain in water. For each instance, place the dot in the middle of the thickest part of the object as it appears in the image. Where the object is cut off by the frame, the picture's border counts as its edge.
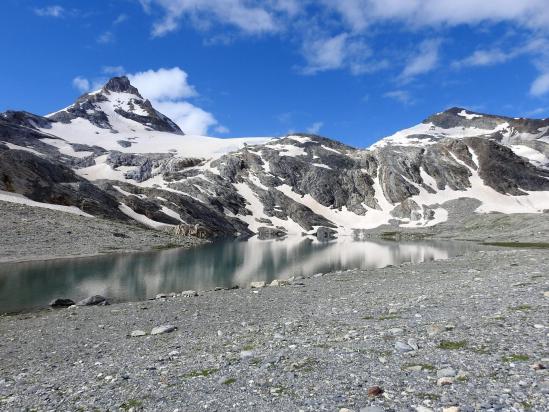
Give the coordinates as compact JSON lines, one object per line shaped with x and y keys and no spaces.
{"x":141,"y":276}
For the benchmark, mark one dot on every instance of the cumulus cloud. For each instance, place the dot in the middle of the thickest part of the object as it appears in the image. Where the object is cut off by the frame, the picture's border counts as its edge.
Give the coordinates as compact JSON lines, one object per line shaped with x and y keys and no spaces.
{"x":163,"y":84}
{"x":167,"y":90}
{"x":424,"y":61}
{"x":50,"y":11}
{"x":190,"y":118}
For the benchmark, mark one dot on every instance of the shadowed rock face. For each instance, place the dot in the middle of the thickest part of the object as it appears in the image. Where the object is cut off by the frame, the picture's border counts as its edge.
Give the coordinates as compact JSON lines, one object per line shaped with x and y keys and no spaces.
{"x":46,"y":181}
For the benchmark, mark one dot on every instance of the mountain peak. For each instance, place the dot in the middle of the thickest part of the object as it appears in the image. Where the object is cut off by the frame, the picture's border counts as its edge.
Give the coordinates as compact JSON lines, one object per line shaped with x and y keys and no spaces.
{"x":121,"y":84}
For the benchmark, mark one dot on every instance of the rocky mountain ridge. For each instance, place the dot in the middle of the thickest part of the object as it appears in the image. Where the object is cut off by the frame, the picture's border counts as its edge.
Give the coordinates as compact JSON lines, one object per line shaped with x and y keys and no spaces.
{"x":111,"y":154}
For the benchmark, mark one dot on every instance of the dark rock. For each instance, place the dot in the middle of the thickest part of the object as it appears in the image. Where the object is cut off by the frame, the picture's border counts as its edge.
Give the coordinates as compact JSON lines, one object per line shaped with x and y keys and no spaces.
{"x":375,"y":391}
{"x":325,"y":233}
{"x":61,"y":303}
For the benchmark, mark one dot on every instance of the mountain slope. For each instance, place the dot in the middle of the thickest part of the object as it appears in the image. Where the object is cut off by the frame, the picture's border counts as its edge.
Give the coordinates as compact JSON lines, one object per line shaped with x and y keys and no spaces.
{"x":150,"y":172}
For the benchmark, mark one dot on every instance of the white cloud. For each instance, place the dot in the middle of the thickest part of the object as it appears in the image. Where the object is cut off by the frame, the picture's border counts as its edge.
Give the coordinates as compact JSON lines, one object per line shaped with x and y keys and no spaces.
{"x":191,"y":119}
{"x":359,"y":14}
{"x":167,"y":89}
{"x":120,"y":19}
{"x":423,"y":62}
{"x":401,"y":96}
{"x":105,"y":37}
{"x":540,"y":86}
{"x":315,"y":128}
{"x":237,"y":13}
{"x":50,"y":11}
{"x":163,"y":84}
{"x":484,"y":58}
{"x":342,"y":51}
{"x":81,"y":84}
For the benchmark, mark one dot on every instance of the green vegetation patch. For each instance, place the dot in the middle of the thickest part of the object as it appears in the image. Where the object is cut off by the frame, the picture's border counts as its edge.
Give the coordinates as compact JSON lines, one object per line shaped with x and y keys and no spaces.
{"x":521,"y":307}
{"x":204,"y":373}
{"x":132,"y":403}
{"x":450,"y":345}
{"x":515,"y":358}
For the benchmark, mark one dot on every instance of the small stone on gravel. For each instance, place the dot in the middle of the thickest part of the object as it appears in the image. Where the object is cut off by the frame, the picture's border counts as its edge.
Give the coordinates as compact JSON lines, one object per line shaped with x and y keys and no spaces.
{"x":159,"y":330}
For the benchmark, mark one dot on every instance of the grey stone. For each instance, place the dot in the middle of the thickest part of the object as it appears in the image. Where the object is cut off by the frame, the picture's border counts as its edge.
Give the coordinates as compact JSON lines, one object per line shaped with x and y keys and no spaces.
{"x":159,"y":330}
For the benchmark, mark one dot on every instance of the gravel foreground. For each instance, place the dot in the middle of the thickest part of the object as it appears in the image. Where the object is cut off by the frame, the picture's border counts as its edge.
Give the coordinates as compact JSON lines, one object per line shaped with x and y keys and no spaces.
{"x":470,"y":333}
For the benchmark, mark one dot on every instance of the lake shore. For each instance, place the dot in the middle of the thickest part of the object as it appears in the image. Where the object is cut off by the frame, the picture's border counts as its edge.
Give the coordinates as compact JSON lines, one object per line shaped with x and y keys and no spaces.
{"x":30,"y":233}
{"x":433,"y":335}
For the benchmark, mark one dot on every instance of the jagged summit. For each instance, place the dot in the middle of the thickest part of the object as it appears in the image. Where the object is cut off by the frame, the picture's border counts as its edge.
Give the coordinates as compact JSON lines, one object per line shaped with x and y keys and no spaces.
{"x":121,"y":85}
{"x":117,"y":106}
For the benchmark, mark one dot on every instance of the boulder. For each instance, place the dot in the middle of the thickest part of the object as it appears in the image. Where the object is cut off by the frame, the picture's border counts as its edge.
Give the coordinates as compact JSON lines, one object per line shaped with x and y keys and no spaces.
{"x":325,"y":233}
{"x":61,"y":303}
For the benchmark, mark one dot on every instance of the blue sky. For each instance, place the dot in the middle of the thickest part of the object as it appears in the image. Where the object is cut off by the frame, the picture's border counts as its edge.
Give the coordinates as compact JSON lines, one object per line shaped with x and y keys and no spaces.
{"x":352,"y":70}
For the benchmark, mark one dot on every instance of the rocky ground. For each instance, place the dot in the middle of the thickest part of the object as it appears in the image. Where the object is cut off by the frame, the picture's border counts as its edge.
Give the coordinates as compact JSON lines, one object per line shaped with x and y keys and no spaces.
{"x":30,"y":233}
{"x":466,"y":334}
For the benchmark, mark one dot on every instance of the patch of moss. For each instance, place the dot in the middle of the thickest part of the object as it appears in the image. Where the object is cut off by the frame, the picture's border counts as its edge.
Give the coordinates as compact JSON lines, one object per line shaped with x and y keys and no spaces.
{"x":521,"y":307}
{"x":515,"y":358}
{"x":204,"y":373}
{"x":248,"y":346}
{"x":426,"y":395}
{"x":450,"y":345}
{"x":229,"y":381}
{"x":132,"y":403}
{"x":367,"y":317}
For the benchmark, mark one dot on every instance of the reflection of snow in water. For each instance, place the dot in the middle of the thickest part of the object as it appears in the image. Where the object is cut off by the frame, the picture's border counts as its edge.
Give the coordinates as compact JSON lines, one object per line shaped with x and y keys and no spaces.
{"x":224,"y":264}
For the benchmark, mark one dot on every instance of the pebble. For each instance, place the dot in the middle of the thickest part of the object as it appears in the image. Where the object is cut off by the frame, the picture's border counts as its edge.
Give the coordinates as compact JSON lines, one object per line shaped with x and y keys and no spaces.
{"x":446,"y":373}
{"x":413,"y":343}
{"x":137,"y":333}
{"x":189,"y":293}
{"x":375,"y":391}
{"x":257,"y":285}
{"x":403,"y":347}
{"x":159,"y":330}
{"x":161,"y":296}
{"x":451,"y":409}
{"x":445,"y":381}
{"x":395,"y":331}
{"x":371,"y":409}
